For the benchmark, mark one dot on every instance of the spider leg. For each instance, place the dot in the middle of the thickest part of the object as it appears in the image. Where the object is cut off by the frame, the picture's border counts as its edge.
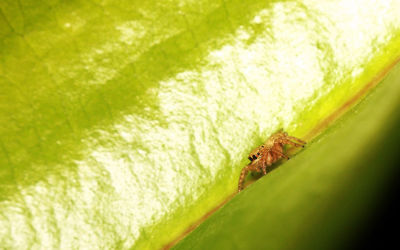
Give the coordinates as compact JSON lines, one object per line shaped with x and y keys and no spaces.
{"x":264,"y":169}
{"x":286,"y":141}
{"x":266,"y":162}
{"x":296,"y":139}
{"x":280,"y":153}
{"x":243,"y":175}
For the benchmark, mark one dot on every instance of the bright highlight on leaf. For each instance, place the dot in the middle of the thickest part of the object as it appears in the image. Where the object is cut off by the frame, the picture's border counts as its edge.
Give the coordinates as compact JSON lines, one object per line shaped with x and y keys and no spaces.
{"x":124,"y":123}
{"x":323,"y":197}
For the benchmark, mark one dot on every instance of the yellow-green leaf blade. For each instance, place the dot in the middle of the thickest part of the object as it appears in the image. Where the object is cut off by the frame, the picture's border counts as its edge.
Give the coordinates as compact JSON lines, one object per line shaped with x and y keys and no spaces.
{"x":122,"y":121}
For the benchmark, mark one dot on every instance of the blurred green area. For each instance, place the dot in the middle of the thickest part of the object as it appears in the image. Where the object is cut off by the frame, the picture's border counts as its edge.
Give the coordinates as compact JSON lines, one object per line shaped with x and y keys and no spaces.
{"x":123,"y":120}
{"x":326,"y":195}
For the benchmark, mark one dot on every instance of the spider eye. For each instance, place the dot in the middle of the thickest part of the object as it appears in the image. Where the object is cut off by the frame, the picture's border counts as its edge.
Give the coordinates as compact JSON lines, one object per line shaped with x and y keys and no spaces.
{"x":250,"y":158}
{"x":254,"y":157}
{"x":258,"y":153}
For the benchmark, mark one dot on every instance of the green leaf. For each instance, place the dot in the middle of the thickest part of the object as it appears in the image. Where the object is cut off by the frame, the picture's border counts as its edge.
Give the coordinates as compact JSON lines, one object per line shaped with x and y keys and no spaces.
{"x":322,"y":197}
{"x":124,"y":123}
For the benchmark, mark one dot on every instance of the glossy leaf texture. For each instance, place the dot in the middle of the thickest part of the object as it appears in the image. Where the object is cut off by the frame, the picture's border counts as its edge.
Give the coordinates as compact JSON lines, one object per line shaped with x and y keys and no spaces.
{"x":325,"y":197}
{"x":122,"y":123}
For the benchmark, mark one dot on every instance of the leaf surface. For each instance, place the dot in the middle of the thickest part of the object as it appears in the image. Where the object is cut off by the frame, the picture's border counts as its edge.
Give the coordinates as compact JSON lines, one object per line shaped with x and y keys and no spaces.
{"x":122,"y":123}
{"x":323,"y":197}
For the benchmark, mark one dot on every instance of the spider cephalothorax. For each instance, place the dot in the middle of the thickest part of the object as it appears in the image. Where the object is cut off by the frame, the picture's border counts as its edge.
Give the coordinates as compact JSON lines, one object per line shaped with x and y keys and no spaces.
{"x":268,"y":153}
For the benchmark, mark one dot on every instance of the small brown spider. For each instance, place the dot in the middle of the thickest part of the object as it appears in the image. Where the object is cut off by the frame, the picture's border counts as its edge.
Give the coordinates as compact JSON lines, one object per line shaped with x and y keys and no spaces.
{"x":268,"y":153}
